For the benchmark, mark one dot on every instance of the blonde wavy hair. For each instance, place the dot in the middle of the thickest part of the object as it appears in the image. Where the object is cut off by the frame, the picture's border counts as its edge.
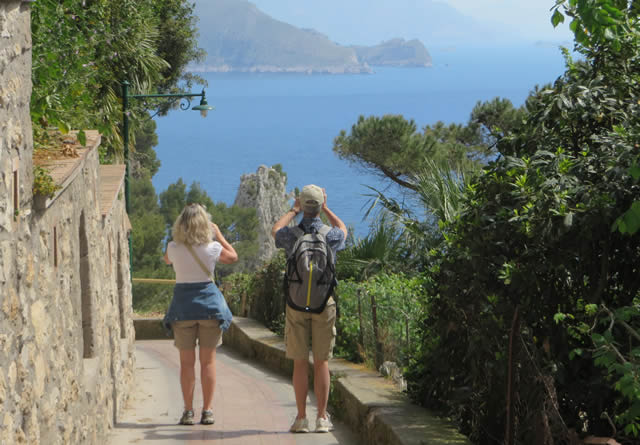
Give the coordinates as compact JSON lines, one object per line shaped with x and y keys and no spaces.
{"x":193,"y":226}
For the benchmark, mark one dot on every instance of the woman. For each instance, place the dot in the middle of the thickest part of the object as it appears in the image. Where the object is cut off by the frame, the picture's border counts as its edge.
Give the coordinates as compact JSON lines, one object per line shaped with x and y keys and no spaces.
{"x":198,"y":311}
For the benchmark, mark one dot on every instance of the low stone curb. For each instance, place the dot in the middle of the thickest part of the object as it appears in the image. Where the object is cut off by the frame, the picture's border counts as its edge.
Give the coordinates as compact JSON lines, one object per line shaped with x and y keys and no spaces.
{"x":371,"y":405}
{"x":149,"y":329}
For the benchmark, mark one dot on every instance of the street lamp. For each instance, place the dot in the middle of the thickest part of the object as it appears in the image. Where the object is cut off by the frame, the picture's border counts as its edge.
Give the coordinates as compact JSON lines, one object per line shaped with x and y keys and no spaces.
{"x":203,"y":108}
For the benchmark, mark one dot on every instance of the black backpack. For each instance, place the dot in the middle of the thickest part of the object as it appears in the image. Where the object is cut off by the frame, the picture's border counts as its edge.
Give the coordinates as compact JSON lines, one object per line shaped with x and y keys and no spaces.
{"x":310,"y":275}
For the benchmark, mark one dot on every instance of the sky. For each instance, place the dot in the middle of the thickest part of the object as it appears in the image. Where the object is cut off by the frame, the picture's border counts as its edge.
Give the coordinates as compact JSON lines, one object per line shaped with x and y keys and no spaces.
{"x":434,"y":22}
{"x":532,"y":17}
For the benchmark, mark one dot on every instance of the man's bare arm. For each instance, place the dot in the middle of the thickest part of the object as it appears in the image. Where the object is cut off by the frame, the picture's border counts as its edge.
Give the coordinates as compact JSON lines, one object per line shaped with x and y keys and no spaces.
{"x":286,"y":218}
{"x":332,"y":217}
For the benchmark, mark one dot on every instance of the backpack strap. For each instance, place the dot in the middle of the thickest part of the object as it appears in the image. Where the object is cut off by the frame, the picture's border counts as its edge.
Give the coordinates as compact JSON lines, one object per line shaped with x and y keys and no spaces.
{"x":199,"y":261}
{"x":324,"y":230}
{"x":298,"y":231}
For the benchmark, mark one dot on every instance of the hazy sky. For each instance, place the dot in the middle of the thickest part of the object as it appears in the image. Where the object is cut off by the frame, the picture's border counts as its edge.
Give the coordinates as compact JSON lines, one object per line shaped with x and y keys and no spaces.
{"x":435,"y":22}
{"x":531,"y":17}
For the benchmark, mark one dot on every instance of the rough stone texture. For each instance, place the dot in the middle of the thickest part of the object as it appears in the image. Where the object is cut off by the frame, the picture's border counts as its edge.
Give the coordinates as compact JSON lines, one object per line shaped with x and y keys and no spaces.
{"x":264,"y":190}
{"x":50,"y":393}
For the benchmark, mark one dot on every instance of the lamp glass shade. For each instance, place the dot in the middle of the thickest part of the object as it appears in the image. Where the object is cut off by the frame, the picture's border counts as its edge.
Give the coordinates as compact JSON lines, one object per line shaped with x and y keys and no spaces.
{"x":203,"y":108}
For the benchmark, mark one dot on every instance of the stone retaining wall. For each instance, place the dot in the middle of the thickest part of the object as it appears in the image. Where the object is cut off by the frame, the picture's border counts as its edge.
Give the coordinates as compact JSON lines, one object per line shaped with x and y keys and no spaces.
{"x":66,"y":336}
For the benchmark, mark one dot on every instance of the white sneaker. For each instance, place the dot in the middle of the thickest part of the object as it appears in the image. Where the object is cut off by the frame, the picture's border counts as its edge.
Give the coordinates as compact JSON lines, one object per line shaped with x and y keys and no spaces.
{"x":323,"y":425}
{"x":300,"y":426}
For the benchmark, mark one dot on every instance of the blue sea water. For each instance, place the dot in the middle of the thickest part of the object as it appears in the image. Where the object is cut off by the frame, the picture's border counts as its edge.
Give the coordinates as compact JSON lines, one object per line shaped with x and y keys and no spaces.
{"x":292,"y":119}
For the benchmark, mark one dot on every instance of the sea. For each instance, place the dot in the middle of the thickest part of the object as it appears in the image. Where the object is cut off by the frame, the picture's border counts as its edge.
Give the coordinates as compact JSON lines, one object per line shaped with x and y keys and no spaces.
{"x":292,"y":120}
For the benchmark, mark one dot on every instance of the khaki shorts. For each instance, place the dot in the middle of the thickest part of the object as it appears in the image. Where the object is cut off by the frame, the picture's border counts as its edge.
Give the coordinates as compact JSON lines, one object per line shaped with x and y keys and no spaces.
{"x":319,"y":330}
{"x":207,"y":332}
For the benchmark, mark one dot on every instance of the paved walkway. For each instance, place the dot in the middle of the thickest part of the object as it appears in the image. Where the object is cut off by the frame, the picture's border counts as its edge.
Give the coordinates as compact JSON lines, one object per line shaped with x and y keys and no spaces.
{"x":251,"y":405}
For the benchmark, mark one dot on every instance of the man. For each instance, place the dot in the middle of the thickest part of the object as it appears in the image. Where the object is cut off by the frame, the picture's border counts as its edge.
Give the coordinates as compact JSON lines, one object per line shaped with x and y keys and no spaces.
{"x":300,"y":326}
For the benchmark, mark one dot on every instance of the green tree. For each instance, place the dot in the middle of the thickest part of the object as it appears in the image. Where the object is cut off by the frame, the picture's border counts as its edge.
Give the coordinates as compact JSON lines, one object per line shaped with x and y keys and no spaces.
{"x":238,"y":225}
{"x":149,"y":229}
{"x":172,"y":201}
{"x":533,"y":286}
{"x":77,"y":75}
{"x":392,"y":146}
{"x":144,"y":158}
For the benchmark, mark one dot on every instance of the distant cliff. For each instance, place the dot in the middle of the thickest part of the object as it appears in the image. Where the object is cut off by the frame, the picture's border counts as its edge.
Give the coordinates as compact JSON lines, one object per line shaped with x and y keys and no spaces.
{"x":237,"y":36}
{"x":395,"y":52}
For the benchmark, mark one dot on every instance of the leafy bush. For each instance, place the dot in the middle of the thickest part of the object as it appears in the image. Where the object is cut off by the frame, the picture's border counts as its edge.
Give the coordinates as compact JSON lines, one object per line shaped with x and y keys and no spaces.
{"x":43,"y":183}
{"x":394,"y":300}
{"x":98,"y":44}
{"x":262,"y":292}
{"x":152,"y":299}
{"x":533,"y":248}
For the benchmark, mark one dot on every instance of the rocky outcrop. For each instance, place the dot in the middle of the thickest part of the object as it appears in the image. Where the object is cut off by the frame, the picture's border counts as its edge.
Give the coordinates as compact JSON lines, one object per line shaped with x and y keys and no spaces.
{"x":395,"y":52}
{"x":264,"y":190}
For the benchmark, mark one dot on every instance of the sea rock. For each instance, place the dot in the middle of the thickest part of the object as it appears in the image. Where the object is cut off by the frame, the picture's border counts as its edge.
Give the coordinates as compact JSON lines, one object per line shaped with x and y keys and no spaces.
{"x":264,"y":190}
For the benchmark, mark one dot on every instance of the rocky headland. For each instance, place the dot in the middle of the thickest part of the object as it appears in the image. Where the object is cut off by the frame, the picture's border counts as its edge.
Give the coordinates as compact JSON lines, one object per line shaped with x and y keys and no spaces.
{"x":238,"y":37}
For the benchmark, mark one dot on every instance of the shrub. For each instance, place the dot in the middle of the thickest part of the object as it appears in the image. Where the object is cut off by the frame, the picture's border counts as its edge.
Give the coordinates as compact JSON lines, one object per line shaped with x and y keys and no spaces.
{"x":43,"y":183}
{"x":263,"y":293}
{"x":393,"y":298}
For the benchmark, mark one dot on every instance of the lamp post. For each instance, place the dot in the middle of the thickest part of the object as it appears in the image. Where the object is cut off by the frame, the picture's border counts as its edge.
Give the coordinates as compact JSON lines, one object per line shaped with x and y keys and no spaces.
{"x":204,"y":107}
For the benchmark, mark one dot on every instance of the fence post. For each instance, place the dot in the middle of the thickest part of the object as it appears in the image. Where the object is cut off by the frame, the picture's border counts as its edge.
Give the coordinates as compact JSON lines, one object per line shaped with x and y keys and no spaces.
{"x":374,"y":319}
{"x":243,"y":303}
{"x":360,"y":330}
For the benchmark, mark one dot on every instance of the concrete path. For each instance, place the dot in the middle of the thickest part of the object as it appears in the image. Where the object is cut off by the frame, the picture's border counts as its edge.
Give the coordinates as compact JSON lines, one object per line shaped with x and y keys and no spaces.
{"x":251,"y":405}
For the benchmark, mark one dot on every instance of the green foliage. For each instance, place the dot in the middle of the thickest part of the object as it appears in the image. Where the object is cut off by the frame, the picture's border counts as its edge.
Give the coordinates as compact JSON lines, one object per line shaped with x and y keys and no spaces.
{"x":178,"y":43}
{"x":144,"y":158}
{"x":238,"y":225}
{"x":262,"y":292}
{"x":533,"y":238}
{"x":621,"y":360}
{"x":629,"y":222}
{"x":398,"y":313}
{"x":237,"y":289}
{"x":77,"y":75}
{"x":151,"y":299}
{"x":382,"y":248}
{"x":438,"y":189}
{"x":43,"y":183}
{"x":394,"y":148}
{"x":597,"y":23}
{"x":77,"y":84}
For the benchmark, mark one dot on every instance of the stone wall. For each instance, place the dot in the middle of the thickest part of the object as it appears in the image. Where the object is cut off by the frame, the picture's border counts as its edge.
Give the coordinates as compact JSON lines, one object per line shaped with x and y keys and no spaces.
{"x":66,"y":337}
